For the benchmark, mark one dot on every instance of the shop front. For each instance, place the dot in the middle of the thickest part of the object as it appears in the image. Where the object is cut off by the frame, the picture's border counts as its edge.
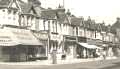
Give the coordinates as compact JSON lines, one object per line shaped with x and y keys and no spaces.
{"x":86,"y":48}
{"x":70,"y":46}
{"x":42,"y":36}
{"x":108,"y":47}
{"x":18,"y":45}
{"x":53,"y":47}
{"x":116,"y":49}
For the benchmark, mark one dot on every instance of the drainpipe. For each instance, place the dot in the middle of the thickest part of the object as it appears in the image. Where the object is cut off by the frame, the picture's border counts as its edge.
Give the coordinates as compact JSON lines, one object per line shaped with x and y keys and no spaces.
{"x":48,"y":45}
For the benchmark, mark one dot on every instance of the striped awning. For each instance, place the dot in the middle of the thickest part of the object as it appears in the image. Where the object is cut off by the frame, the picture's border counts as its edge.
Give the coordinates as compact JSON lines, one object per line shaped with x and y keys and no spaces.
{"x":14,"y":36}
{"x":86,"y":45}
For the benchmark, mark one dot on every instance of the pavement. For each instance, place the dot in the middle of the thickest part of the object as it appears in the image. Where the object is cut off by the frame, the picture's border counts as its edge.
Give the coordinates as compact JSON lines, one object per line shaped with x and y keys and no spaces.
{"x":97,"y":63}
{"x":59,"y":62}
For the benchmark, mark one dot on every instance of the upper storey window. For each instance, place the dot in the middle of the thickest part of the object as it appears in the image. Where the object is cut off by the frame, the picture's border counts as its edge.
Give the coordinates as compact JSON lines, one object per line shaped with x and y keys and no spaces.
{"x":14,"y":12}
{"x":9,"y":11}
{"x":3,"y":10}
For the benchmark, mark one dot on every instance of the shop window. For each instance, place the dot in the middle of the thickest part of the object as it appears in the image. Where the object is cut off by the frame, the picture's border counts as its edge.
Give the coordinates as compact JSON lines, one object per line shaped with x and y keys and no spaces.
{"x":6,"y":50}
{"x":54,"y":27}
{"x":53,"y":45}
{"x":80,"y":33}
{"x":41,"y":51}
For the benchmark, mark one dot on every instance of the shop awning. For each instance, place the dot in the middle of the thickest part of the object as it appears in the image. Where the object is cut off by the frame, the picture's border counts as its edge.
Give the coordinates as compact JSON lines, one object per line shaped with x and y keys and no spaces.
{"x":14,"y":36}
{"x":89,"y":46}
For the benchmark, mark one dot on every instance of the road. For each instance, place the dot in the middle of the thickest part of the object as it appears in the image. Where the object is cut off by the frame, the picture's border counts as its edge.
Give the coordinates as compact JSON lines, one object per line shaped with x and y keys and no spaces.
{"x":106,"y":64}
{"x":115,"y":66}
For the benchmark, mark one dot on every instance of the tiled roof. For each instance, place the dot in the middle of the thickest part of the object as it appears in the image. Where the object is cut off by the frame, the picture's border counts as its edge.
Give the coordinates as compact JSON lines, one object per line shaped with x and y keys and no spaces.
{"x":62,"y":18}
{"x":48,"y":14}
{"x":116,"y":25}
{"x":90,"y":24}
{"x":76,"y":21}
{"x":103,"y":27}
{"x":36,"y":5}
{"x":25,"y":7}
{"x":35,"y":2}
{"x":4,"y":3}
{"x":38,"y":10}
{"x":58,"y":14}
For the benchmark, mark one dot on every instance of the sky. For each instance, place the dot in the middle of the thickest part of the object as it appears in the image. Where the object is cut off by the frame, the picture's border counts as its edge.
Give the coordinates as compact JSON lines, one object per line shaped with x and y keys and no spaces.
{"x":99,"y":10}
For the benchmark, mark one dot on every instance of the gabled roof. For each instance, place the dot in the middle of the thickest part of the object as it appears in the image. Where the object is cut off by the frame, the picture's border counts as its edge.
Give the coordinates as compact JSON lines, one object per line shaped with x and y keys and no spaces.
{"x":75,"y":21}
{"x":38,"y":10}
{"x":48,"y":14}
{"x":25,"y":7}
{"x":90,"y":24}
{"x":103,"y":27}
{"x":62,"y":16}
{"x":116,"y":25}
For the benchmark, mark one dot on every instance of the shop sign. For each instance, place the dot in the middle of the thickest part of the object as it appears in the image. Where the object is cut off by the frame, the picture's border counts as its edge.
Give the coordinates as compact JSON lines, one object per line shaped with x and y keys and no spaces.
{"x":5,"y":36}
{"x":91,"y":42}
{"x":43,"y":36}
{"x":82,"y":39}
{"x":94,"y":42}
{"x":21,"y":33}
{"x":5,"y":39}
{"x":70,"y":38}
{"x":55,"y":37}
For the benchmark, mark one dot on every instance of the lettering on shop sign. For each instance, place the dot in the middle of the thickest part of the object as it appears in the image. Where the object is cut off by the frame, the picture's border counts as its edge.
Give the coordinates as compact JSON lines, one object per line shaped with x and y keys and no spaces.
{"x":22,"y":35}
{"x":70,"y":38}
{"x":5,"y":39}
{"x":55,"y":37}
{"x":41,"y":35}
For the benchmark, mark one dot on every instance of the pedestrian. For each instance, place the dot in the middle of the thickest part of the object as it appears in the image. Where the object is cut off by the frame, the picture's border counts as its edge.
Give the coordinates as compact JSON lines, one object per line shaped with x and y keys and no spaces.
{"x":103,"y":55}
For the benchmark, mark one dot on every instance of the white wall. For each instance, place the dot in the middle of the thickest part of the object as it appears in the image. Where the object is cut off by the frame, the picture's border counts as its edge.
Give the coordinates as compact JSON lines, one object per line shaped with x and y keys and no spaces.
{"x":9,"y":18}
{"x":81,"y":32}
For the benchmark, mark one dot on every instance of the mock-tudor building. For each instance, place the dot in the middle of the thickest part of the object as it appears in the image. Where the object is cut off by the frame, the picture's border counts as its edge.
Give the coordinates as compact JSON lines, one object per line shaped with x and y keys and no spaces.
{"x":36,"y":32}
{"x":17,"y":42}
